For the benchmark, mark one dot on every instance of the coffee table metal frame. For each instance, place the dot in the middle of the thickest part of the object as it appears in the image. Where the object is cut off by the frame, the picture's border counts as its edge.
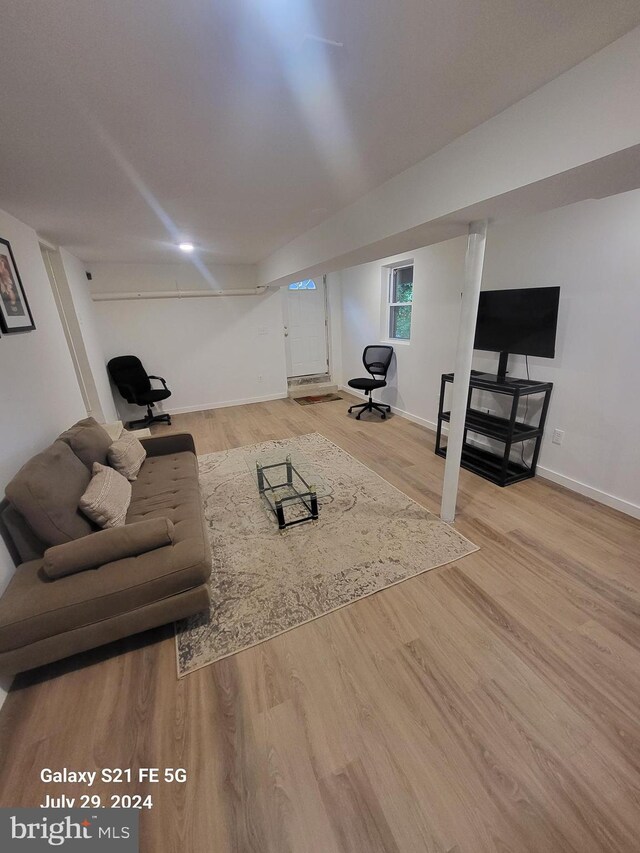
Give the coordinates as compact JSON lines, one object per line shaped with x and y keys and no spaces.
{"x":308,"y":498}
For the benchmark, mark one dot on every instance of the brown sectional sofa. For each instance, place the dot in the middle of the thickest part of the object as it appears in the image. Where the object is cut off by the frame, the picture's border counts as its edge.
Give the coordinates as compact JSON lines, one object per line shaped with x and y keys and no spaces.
{"x":73,"y":590}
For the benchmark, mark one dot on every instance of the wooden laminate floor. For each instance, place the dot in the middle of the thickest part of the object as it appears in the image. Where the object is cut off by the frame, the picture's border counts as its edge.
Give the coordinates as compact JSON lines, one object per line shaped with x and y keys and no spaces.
{"x":489,"y":705}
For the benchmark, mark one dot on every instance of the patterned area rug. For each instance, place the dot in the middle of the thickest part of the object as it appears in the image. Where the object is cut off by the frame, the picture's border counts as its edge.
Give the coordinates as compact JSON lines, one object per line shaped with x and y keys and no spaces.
{"x":264,"y":582}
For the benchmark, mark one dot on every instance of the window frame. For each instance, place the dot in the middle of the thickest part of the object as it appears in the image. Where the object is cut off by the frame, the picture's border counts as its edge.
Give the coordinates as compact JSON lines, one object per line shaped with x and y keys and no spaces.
{"x":391,"y":271}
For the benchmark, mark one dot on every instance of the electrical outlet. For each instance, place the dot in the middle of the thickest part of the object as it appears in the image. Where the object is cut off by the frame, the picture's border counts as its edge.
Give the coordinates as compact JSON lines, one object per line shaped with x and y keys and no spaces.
{"x":557,"y":436}
{"x":260,"y":377}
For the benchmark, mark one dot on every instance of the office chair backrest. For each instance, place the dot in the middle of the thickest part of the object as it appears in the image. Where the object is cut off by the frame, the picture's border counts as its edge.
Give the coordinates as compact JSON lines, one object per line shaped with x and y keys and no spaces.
{"x":377,"y":359}
{"x":129,"y":376}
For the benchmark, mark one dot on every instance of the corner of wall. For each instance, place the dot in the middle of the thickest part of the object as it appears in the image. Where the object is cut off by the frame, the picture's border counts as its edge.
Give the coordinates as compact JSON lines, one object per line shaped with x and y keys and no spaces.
{"x":334,"y":312}
{"x":82,"y":305}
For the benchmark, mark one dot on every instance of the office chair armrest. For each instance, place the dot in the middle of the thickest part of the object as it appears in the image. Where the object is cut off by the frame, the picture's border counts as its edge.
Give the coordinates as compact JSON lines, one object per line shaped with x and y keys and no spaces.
{"x":159,"y":378}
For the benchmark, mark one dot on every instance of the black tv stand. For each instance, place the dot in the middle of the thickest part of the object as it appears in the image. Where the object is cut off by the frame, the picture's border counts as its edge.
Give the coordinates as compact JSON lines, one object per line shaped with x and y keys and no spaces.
{"x":497,"y":467}
{"x":503,"y":361}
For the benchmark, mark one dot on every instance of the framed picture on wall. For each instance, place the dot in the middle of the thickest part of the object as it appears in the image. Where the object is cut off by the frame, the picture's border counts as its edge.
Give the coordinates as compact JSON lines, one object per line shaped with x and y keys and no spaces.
{"x":15,"y":314}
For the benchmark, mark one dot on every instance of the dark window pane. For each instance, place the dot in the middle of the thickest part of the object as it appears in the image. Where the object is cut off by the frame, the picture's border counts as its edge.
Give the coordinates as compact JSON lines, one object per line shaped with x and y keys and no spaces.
{"x":405,"y":275}
{"x":402,"y":290}
{"x":400,"y":322}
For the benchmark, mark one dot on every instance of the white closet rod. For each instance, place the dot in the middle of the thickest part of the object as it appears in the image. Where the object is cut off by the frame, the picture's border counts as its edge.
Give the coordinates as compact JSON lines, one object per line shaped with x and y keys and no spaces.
{"x":178,"y":294}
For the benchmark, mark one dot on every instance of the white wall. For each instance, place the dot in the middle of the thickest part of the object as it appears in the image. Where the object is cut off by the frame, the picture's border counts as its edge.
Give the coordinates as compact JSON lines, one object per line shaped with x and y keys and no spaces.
{"x":414,"y":376}
{"x":188,"y":275}
{"x":85,"y":310}
{"x":38,"y":387}
{"x":212,"y":351}
{"x":591,"y":250}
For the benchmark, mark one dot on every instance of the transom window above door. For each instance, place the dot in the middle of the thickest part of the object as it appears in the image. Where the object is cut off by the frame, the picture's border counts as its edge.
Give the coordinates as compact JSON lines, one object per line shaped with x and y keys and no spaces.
{"x":306,"y":284}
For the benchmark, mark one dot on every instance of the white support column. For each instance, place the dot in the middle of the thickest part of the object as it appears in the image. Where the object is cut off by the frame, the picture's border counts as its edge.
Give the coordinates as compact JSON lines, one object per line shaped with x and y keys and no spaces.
{"x":466,"y":332}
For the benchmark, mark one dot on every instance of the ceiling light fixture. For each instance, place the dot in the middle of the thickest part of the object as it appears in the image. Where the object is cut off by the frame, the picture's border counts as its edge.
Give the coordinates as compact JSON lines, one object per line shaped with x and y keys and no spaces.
{"x":186,"y":247}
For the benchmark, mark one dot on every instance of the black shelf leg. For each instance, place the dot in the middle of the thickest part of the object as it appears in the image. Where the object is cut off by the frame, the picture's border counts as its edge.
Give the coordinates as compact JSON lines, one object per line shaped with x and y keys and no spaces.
{"x":538,"y":444}
{"x":440,"y":411}
{"x":464,"y":434}
{"x":507,"y":445}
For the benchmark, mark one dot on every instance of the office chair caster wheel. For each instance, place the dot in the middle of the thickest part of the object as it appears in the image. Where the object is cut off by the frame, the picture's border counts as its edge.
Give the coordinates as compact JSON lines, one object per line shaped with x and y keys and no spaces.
{"x":357,"y":417}
{"x":383,"y":417}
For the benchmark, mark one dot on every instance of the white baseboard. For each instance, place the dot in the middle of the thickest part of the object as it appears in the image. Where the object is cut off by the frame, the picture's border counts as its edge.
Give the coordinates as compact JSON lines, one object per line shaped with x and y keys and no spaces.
{"x":546,"y":473}
{"x":430,"y":425}
{"x":590,"y":492}
{"x":203,"y":407}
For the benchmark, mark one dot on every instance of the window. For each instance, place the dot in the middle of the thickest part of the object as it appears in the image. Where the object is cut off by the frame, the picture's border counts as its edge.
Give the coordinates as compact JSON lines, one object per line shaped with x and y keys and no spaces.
{"x":307,"y":284}
{"x":400,"y":298}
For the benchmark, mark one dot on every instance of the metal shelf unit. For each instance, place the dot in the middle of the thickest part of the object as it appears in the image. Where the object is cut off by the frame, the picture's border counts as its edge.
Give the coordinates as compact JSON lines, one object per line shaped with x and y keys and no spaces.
{"x":497,"y":467}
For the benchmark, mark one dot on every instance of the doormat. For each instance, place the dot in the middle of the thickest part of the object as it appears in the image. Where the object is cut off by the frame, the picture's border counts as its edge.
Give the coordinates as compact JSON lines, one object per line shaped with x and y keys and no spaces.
{"x":317,"y":398}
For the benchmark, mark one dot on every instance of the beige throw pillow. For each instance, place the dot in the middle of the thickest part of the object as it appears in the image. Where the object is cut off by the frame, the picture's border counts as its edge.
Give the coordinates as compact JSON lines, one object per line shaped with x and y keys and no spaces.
{"x":126,"y":455}
{"x":107,"y":497}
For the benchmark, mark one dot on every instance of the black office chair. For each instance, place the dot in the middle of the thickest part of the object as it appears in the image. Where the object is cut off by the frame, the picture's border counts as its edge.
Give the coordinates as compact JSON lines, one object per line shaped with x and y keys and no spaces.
{"x":132,"y":381}
{"x":376,"y":360}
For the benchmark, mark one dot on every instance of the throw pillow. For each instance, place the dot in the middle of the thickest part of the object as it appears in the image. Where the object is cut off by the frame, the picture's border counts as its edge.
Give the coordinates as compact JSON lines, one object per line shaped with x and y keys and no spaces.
{"x":107,"y":497}
{"x":89,"y":441}
{"x":107,"y":546}
{"x":126,"y":455}
{"x":46,"y":491}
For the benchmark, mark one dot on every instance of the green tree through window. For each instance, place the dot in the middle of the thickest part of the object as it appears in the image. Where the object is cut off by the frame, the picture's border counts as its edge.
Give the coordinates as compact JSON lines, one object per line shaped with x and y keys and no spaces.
{"x":400,"y":302}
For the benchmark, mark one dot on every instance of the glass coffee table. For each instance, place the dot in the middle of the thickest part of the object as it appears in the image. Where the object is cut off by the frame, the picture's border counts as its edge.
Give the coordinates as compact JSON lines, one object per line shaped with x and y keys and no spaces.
{"x":289,"y":485}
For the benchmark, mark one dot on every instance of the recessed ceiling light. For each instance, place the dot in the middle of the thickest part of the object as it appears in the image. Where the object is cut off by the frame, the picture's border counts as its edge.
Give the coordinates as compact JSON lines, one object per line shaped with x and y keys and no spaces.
{"x":186,"y":247}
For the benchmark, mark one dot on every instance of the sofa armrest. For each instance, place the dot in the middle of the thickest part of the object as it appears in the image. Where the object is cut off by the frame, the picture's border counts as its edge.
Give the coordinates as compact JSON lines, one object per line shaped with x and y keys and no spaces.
{"x":106,"y":546}
{"x":162,"y":445}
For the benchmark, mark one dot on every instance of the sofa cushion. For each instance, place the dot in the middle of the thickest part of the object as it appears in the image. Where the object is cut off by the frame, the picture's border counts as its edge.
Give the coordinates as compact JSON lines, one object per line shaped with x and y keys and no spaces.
{"x":89,"y":441}
{"x":106,"y":546}
{"x":34,"y":607}
{"x":107,"y":497}
{"x":167,"y":487}
{"x":46,"y":491}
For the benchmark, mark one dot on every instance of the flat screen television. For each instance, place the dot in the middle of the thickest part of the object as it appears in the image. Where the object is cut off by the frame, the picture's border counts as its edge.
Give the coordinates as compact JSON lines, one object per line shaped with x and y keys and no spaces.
{"x":520,"y":321}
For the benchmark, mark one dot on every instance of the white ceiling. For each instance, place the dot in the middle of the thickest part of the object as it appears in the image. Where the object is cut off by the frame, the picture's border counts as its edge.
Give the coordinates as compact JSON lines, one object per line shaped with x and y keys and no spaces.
{"x":129,"y":124}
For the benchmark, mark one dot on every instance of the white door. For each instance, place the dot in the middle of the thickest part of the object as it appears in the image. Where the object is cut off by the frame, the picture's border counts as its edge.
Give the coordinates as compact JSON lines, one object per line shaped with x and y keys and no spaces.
{"x":305,"y":328}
